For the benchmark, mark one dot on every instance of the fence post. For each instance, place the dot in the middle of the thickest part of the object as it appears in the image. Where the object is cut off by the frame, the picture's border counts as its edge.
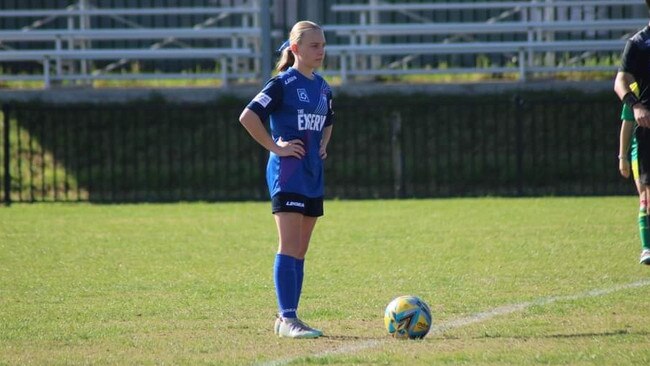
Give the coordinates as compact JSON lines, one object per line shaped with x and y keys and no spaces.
{"x":397,"y":156}
{"x":519,"y":136}
{"x":522,"y":66}
{"x":7,"y":175}
{"x":266,"y":49}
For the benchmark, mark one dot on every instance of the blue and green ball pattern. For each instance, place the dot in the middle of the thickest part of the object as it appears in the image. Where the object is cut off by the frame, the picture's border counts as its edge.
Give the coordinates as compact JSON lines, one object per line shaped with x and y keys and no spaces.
{"x":407,"y":317}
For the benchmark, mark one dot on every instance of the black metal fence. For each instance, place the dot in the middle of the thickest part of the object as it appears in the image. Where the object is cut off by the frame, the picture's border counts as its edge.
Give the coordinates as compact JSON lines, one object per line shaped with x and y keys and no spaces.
{"x":382,"y":147}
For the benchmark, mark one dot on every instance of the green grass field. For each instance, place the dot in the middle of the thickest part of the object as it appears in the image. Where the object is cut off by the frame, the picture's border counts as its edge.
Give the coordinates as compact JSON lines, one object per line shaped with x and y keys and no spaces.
{"x":557,"y":280}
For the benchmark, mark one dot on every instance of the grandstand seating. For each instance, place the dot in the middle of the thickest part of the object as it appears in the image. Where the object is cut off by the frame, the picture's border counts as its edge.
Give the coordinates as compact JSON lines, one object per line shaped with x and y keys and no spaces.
{"x":542,"y":43}
{"x":523,"y":38}
{"x":75,"y":45}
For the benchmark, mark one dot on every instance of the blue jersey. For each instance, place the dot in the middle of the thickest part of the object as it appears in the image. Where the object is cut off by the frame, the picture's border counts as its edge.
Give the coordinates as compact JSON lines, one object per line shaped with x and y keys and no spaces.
{"x":299,"y":108}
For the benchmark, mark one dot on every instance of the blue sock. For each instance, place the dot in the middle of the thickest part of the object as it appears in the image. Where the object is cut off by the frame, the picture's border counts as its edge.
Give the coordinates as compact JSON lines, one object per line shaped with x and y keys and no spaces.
{"x":284,"y":274}
{"x":300,"y":274}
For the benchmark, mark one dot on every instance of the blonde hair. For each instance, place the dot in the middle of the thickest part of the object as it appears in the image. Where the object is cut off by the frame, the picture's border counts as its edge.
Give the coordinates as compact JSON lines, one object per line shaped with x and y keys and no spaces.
{"x":295,"y":36}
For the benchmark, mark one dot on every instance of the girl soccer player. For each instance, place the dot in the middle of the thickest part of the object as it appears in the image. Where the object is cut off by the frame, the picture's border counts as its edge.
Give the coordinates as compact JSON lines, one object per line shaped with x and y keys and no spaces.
{"x":299,"y":104}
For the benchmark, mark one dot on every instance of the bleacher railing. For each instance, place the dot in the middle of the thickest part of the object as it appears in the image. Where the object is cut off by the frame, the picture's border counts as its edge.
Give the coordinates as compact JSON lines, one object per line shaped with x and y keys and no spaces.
{"x":521,"y":38}
{"x":517,"y":40}
{"x":68,"y":55}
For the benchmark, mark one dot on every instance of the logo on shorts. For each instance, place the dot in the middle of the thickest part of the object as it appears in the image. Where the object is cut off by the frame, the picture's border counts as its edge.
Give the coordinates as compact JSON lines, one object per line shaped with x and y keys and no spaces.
{"x":295,"y":204}
{"x":302,"y":95}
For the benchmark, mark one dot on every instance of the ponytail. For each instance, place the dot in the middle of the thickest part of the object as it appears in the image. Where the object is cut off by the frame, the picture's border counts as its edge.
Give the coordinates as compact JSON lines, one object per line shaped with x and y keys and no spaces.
{"x":286,"y":60}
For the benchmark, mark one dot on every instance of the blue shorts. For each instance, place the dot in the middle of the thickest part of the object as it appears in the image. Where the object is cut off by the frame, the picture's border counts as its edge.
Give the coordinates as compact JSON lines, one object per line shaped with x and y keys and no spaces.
{"x":292,"y":202}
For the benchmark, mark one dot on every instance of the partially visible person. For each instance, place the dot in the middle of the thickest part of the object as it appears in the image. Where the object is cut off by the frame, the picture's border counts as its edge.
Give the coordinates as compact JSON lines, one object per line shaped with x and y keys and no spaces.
{"x":628,"y":164}
{"x":635,"y":72}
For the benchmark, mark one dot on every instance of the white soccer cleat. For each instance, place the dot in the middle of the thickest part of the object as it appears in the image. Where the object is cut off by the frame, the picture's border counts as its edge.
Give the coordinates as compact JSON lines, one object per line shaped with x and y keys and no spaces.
{"x":645,"y":257}
{"x":294,"y":328}
{"x":320,"y":332}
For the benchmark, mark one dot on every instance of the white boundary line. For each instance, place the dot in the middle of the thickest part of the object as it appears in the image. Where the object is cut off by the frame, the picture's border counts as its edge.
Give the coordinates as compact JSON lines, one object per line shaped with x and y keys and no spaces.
{"x":472,"y":319}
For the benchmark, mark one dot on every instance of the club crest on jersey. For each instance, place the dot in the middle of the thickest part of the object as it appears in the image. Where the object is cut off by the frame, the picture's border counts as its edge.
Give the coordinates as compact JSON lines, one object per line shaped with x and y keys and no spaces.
{"x":302,"y":95}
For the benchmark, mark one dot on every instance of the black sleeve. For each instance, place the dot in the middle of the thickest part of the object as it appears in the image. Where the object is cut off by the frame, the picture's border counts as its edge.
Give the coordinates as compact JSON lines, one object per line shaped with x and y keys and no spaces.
{"x":268,"y":100}
{"x":630,"y":58}
{"x":329,"y":119}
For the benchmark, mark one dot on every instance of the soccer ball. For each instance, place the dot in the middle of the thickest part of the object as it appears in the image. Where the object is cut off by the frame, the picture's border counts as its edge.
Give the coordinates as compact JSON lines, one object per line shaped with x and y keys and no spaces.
{"x":407,"y":317}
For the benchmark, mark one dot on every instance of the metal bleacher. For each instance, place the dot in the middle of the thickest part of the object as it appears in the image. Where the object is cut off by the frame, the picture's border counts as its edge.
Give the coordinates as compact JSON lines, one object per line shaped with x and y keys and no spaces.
{"x":539,"y":41}
{"x":524,"y":39}
{"x":68,"y":52}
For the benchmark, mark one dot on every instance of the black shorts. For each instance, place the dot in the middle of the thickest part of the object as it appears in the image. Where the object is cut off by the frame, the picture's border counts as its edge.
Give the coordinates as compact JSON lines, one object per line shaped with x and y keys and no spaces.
{"x":643,"y":154}
{"x":292,"y":202}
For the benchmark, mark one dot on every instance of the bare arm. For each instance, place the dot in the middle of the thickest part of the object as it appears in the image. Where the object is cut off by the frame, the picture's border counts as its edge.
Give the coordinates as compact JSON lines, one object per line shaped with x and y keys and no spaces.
{"x":622,"y":84}
{"x":252,"y":123}
{"x":624,"y":147}
{"x":621,"y":87}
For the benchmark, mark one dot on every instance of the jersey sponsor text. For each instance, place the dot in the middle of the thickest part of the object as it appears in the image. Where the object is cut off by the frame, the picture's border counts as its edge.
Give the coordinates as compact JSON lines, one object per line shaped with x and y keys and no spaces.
{"x":311,"y":122}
